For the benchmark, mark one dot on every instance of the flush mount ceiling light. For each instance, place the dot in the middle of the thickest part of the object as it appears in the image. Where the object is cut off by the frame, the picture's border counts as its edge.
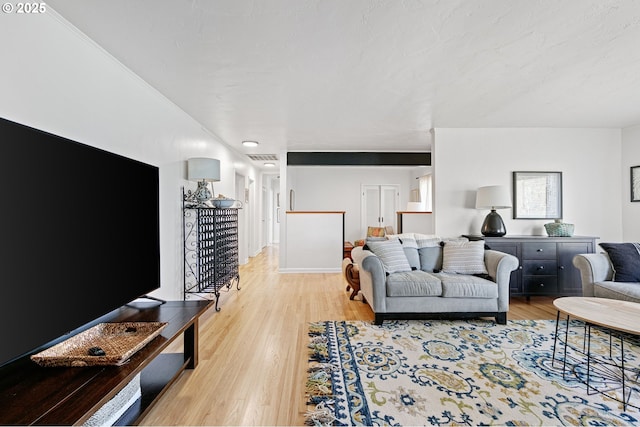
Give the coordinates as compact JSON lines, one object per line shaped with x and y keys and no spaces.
{"x":250,"y":143}
{"x":269,"y":164}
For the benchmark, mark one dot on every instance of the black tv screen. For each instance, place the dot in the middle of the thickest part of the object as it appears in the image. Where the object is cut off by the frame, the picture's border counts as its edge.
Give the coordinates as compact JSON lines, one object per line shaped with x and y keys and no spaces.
{"x":79,"y":235}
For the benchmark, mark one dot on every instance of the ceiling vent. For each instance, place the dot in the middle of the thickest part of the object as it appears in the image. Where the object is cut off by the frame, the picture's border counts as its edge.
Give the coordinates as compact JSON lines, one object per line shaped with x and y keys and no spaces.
{"x":263,"y":157}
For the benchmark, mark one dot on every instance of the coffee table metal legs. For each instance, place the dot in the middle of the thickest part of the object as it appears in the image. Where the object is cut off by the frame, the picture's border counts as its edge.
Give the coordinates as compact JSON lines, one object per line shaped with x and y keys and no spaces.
{"x":555,"y":340}
{"x":586,"y":350}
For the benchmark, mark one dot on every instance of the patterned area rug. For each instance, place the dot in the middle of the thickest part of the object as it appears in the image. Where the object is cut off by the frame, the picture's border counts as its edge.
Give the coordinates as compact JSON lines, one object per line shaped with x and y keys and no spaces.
{"x":466,"y":373}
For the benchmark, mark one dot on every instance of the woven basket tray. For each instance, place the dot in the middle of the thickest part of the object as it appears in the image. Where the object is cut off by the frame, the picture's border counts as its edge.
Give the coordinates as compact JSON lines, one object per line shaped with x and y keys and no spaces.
{"x":559,"y":229}
{"x":119,"y":341}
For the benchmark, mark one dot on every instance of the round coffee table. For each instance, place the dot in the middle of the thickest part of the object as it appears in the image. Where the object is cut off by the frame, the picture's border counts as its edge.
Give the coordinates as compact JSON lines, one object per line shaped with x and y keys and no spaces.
{"x":613,"y":315}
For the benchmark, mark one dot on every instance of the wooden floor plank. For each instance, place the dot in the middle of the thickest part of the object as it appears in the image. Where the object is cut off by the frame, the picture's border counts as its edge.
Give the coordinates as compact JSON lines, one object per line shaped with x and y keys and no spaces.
{"x":253,"y":354}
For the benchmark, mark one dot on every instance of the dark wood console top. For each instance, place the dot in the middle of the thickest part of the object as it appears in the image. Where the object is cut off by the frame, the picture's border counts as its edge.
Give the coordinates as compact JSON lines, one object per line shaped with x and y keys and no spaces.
{"x":31,"y":394}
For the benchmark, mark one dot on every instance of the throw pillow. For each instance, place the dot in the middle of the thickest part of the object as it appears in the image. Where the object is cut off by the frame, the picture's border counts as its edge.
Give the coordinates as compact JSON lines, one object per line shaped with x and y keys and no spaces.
{"x":375,"y":232}
{"x":410,"y":248}
{"x":430,"y":259}
{"x":625,"y":260}
{"x":391,"y":254}
{"x":463,"y":257}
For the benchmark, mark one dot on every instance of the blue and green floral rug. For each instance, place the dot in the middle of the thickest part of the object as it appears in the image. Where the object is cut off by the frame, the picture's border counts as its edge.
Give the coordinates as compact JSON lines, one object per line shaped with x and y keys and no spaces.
{"x":471,"y":372}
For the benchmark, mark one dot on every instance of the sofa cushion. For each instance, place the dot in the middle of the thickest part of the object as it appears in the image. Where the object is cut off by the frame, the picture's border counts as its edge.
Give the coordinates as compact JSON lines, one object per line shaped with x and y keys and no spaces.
{"x":625,"y":291}
{"x":625,"y":259}
{"x":401,"y":236}
{"x":424,"y":241}
{"x":466,"y":286}
{"x":413,"y":284}
{"x":430,"y":258}
{"x":391,"y":254}
{"x":416,"y":236}
{"x":463,"y":257}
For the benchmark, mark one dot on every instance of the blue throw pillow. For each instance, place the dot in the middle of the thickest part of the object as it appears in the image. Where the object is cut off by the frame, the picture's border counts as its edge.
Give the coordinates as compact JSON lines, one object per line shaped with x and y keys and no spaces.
{"x":410,"y":248}
{"x":625,"y":259}
{"x":430,"y":259}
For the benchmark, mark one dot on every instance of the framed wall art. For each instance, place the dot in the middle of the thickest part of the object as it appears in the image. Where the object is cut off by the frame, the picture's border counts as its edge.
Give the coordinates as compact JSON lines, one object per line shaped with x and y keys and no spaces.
{"x":635,"y":183}
{"x":537,"y":195}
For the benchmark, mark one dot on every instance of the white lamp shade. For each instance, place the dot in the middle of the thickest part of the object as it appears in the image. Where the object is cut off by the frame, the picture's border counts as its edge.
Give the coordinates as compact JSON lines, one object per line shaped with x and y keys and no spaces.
{"x":203,"y":169}
{"x":493,"y":197}
{"x":414,"y":206}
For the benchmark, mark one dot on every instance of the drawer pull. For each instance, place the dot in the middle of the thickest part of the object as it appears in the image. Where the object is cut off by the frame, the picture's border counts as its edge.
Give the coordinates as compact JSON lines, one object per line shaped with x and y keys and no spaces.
{"x":541,"y":267}
{"x":539,"y":250}
{"x":542,"y":285}
{"x":562,"y":267}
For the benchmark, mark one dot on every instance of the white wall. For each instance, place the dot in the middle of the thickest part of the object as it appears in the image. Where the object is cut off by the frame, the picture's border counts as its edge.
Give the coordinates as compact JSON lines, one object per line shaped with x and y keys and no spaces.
{"x":55,"y":79}
{"x":589,"y":159}
{"x":630,"y":157}
{"x":339,"y":189}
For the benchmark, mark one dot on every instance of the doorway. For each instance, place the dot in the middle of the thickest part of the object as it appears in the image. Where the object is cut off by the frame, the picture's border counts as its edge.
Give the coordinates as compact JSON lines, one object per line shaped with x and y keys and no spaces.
{"x":243,"y":217}
{"x":379,"y":204}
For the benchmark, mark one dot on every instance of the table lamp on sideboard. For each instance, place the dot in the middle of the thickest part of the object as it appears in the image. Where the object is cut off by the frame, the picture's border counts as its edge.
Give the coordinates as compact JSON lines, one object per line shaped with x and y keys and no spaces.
{"x":493,"y":197}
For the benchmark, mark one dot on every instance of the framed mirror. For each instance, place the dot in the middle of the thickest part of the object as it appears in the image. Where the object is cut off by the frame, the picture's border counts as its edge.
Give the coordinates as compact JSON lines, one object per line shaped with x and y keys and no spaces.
{"x":537,"y":195}
{"x":635,"y":183}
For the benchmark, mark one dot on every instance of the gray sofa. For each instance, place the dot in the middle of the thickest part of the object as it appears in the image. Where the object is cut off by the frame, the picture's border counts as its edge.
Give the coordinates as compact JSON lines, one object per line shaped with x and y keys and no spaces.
{"x":597,"y":273}
{"x":429,"y":289}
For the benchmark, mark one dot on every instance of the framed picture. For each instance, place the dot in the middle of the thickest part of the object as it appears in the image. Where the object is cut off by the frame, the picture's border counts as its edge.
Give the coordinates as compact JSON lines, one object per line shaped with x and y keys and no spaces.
{"x":635,"y":183}
{"x":537,"y":195}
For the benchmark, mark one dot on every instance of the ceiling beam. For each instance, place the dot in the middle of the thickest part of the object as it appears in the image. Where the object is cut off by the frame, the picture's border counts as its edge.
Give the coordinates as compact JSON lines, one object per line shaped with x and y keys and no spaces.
{"x":301,"y":158}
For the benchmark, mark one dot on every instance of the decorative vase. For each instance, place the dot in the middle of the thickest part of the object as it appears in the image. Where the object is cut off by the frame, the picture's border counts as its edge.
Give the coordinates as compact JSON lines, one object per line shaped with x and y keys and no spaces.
{"x":557,"y":228}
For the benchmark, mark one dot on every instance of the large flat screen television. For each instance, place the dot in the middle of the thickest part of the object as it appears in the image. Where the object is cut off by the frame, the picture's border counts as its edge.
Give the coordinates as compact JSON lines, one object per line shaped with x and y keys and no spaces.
{"x":79,"y":236}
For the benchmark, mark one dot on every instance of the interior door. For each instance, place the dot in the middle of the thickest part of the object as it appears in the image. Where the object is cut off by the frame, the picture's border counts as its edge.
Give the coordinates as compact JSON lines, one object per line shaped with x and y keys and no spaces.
{"x":389,"y":202}
{"x":379,"y":205}
{"x":370,"y":207}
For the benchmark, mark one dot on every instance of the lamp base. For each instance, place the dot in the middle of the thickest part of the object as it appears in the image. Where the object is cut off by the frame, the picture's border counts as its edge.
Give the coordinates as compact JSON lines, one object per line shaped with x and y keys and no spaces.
{"x":202,"y":194}
{"x":493,"y":226}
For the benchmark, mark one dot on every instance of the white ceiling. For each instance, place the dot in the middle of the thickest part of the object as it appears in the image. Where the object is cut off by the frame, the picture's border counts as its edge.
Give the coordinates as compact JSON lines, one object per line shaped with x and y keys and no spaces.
{"x":372,"y":75}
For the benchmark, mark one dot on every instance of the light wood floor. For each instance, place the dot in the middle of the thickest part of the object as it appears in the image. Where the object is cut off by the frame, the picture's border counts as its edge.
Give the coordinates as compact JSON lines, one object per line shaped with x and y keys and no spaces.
{"x":253,"y":355}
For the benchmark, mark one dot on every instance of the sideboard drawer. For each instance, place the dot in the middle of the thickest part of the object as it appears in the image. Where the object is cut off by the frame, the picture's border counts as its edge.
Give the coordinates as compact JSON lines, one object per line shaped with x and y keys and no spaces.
{"x":541,"y":285}
{"x":538,"y":250}
{"x":544,"y":267}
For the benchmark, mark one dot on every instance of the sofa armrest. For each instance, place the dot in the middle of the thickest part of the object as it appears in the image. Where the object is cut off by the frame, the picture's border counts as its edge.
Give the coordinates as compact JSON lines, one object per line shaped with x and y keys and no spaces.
{"x":499,"y":266}
{"x":593,"y":268}
{"x":373,"y":278}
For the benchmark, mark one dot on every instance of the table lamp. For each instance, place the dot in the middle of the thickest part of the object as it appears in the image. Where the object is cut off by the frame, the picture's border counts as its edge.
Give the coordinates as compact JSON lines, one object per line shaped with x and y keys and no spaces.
{"x":202,"y":170}
{"x":493,"y":197}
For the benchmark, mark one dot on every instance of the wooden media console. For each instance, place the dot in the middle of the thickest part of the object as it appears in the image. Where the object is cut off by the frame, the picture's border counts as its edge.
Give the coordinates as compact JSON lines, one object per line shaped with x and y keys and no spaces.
{"x":35,"y":395}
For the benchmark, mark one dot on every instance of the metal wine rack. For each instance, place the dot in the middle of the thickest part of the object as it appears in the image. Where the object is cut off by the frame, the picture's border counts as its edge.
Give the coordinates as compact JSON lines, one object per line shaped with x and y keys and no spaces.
{"x":210,"y":251}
